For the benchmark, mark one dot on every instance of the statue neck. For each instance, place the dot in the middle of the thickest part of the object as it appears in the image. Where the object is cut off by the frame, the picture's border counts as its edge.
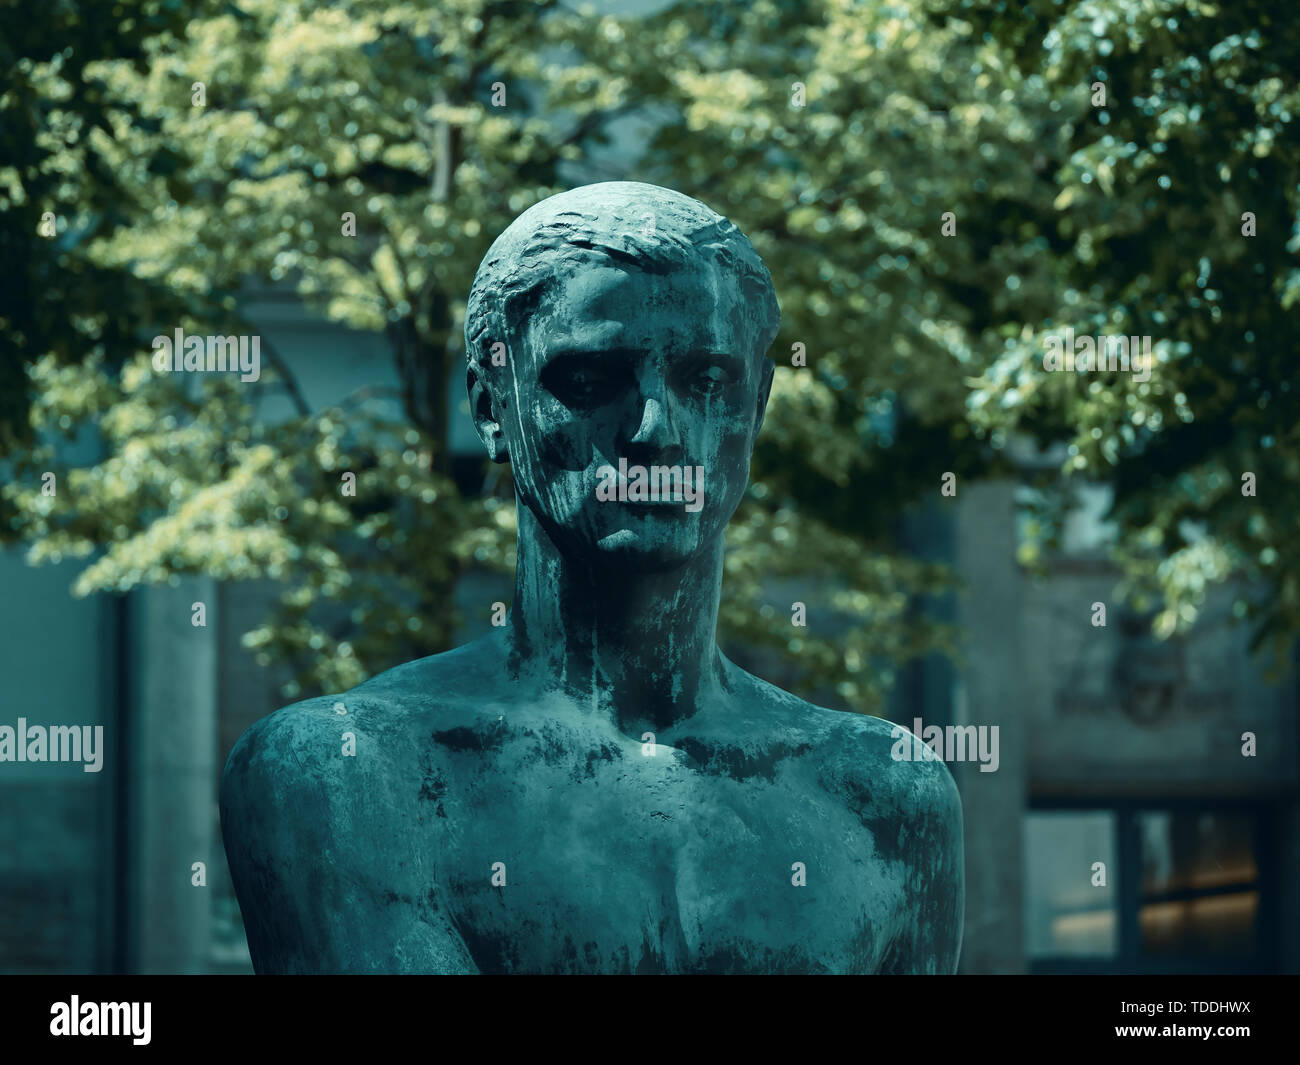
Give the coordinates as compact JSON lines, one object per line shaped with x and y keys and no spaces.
{"x":639,"y":648}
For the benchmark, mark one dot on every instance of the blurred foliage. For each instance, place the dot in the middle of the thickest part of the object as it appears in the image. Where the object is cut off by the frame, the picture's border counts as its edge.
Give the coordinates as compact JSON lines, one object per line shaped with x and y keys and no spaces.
{"x":1198,"y":129}
{"x":924,"y":351}
{"x":56,"y":300}
{"x":194,"y":482}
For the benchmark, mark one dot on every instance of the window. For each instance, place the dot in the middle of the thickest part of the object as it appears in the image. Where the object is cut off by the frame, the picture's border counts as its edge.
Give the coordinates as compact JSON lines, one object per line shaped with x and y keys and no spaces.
{"x":1183,"y":889}
{"x":1068,"y":915}
{"x":1200,"y":884}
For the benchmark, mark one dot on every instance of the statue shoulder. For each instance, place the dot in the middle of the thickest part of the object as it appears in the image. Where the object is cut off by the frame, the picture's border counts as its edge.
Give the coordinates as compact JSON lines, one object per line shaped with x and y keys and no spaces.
{"x":884,"y":766}
{"x":315,"y":804}
{"x":293,"y":773}
{"x":328,"y":746}
{"x":317,"y":754}
{"x":908,"y":800}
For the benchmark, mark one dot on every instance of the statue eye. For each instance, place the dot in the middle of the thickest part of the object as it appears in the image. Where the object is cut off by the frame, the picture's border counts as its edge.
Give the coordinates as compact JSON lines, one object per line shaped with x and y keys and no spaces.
{"x":575,"y":380}
{"x":712,"y":374}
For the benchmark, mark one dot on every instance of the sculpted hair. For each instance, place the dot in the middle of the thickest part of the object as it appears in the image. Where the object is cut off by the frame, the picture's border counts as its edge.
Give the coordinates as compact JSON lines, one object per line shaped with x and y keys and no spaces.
{"x":630,"y":223}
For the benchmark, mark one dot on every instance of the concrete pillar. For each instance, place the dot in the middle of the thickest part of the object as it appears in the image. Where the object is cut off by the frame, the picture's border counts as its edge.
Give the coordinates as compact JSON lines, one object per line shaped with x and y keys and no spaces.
{"x":171,"y":780}
{"x":989,"y":691}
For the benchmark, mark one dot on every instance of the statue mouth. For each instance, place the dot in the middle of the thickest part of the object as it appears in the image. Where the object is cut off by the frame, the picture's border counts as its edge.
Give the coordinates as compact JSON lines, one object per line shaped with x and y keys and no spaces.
{"x":653,"y":486}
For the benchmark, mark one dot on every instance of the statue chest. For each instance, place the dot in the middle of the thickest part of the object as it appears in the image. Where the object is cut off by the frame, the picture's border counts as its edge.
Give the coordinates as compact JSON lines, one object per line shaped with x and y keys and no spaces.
{"x":621,"y":864}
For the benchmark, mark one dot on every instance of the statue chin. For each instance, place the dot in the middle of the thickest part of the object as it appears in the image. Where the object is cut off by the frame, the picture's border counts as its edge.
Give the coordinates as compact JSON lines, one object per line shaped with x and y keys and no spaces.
{"x":633,"y":551}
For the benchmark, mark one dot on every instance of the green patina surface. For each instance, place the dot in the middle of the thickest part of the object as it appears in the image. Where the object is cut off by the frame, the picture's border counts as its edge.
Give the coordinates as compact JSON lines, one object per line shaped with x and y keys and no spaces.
{"x":595,"y":787}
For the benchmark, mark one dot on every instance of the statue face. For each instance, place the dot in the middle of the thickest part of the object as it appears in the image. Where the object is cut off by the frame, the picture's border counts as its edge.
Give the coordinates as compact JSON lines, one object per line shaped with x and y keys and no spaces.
{"x":652,"y":369}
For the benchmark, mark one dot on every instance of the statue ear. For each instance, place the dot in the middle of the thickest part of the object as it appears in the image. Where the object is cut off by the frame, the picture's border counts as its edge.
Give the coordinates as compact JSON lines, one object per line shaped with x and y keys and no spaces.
{"x":764,"y":391}
{"x":483,"y":411}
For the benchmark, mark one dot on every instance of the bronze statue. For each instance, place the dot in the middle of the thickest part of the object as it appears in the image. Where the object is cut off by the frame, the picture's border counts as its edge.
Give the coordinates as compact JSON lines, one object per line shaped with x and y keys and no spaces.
{"x":594,"y":787}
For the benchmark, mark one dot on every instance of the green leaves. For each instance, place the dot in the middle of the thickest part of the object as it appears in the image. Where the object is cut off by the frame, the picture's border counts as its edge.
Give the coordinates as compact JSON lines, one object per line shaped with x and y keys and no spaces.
{"x":924,"y":345}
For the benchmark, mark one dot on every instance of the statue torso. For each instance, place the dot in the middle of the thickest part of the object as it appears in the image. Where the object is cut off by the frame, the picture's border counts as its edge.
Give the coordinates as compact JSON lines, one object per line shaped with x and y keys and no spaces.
{"x":762,"y":835}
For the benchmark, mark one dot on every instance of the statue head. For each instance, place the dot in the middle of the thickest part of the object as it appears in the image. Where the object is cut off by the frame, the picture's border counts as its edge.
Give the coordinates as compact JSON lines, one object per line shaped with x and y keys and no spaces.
{"x":616,"y":328}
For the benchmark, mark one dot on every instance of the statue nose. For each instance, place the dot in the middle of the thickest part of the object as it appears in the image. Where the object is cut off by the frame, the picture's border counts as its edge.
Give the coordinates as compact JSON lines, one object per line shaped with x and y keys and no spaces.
{"x":655,"y":435}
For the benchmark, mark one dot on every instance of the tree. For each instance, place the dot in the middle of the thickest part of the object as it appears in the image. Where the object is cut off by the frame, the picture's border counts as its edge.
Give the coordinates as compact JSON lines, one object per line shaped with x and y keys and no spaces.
{"x":58,"y":192}
{"x":843,"y":134}
{"x":1178,"y":209}
{"x":362,"y":154}
{"x":284,"y":124}
{"x":931,"y":185}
